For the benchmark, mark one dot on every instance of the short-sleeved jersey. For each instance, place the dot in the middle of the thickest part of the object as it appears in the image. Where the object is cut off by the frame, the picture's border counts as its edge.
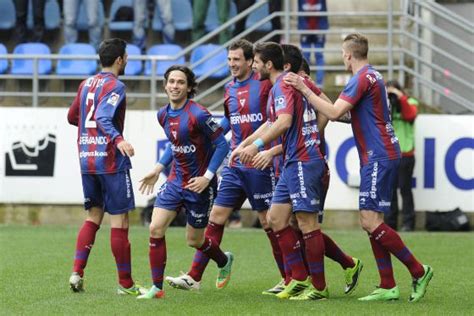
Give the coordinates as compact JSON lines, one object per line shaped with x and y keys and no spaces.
{"x":191,"y":134}
{"x":99,"y":112}
{"x":370,"y":116}
{"x":245,"y":107}
{"x":301,"y":141}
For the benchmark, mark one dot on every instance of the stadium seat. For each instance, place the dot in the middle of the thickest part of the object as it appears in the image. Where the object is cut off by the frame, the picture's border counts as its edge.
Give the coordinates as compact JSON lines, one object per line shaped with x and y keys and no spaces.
{"x":116,"y":25}
{"x":162,"y":65}
{"x":257,"y":16}
{"x":134,"y":67}
{"x":82,"y":22}
{"x":210,"y":64}
{"x":182,"y":16}
{"x":7,"y":15}
{"x":74,"y":66}
{"x":212,"y":18}
{"x":52,"y":16}
{"x":3,"y":62}
{"x":25,"y":66}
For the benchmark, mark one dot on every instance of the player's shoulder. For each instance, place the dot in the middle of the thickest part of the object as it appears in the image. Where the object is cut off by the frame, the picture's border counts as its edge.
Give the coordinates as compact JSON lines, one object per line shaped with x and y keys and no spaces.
{"x":197,"y":108}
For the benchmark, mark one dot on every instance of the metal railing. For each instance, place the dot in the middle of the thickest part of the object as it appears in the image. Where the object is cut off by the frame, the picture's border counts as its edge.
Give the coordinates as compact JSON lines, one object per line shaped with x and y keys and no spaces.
{"x":402,"y":40}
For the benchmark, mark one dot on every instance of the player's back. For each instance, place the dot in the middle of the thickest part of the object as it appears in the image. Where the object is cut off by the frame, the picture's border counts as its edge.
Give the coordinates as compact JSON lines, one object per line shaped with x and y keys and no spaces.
{"x":101,"y":105}
{"x":370,"y":116}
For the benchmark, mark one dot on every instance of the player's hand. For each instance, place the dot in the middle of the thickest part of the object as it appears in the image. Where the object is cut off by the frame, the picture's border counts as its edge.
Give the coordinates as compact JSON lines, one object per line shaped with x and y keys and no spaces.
{"x":126,"y":148}
{"x":198,"y":184}
{"x":395,"y":91}
{"x":295,"y":81}
{"x":234,"y":154}
{"x":247,"y":153}
{"x":262,"y":160}
{"x":148,"y":182}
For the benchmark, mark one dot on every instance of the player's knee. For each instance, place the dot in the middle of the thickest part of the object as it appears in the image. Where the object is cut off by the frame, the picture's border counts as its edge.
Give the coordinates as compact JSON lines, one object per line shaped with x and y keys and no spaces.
{"x":194,"y":242}
{"x":156,"y":231}
{"x":368,"y":224}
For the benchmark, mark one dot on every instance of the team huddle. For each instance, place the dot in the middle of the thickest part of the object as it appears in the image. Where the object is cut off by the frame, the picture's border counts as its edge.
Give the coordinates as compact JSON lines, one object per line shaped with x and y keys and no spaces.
{"x":276,"y":116}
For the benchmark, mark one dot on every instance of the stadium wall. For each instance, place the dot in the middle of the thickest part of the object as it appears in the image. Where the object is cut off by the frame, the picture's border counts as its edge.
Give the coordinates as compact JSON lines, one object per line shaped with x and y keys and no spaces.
{"x":39,"y":165}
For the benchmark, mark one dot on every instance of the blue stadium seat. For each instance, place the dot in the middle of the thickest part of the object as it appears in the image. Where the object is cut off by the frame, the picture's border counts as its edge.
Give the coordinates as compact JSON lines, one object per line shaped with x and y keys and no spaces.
{"x":212,"y":18}
{"x":74,"y":66}
{"x":7,"y":15}
{"x":257,"y":16}
{"x":25,"y":66}
{"x":134,"y":67}
{"x":52,"y":16}
{"x":182,"y":16}
{"x":82,"y":22}
{"x":211,"y":63}
{"x":120,"y":25}
{"x":3,"y":62}
{"x":163,"y":65}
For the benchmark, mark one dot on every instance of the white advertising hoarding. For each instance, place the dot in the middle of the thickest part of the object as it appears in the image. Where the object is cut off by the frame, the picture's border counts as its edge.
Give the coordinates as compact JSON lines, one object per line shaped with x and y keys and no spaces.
{"x":39,"y":164}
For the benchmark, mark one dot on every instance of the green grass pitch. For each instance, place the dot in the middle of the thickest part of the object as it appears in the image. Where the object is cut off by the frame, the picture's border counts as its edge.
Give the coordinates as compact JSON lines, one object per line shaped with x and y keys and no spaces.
{"x":35,"y":265}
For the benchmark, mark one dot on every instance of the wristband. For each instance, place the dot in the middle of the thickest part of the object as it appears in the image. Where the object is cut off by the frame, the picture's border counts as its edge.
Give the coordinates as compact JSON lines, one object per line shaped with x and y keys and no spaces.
{"x":209,"y":175}
{"x":259,"y":143}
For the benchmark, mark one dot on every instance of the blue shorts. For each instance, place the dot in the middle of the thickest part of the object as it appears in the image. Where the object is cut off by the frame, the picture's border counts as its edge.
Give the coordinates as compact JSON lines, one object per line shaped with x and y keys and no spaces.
{"x":113,"y":192}
{"x":256,"y":185}
{"x":197,"y":205}
{"x":377,"y":182}
{"x":301,"y":184}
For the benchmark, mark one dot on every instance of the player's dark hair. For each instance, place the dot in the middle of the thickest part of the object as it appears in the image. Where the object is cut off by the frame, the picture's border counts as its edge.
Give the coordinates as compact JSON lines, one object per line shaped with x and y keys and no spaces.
{"x":110,"y":50}
{"x":190,"y":78}
{"x":270,"y":51}
{"x":305,"y":67}
{"x":395,"y":84}
{"x":292,"y":55}
{"x":358,"y":44}
{"x":246,"y":47}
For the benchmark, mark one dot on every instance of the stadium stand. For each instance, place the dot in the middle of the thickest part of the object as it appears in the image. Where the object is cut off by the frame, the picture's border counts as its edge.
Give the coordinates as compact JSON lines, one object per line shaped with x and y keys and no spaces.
{"x":3,"y":62}
{"x":212,"y":18}
{"x":7,"y":15}
{"x":258,"y":15}
{"x":162,"y":65}
{"x":118,"y":22}
{"x":211,"y":63}
{"x":52,"y":15}
{"x":134,"y":67}
{"x":82,"y":22}
{"x":26,"y":66}
{"x":76,"y":66}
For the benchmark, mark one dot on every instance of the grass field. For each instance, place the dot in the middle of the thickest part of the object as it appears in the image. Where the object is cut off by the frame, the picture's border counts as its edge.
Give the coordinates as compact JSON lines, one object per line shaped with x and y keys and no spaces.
{"x":35,"y":265}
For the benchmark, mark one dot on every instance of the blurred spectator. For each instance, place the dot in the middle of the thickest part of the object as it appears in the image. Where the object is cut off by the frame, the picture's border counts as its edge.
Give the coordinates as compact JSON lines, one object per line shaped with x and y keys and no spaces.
{"x":275,"y":6}
{"x":21,"y":7}
{"x":241,"y":6}
{"x":71,"y":12}
{"x":199,"y":18}
{"x":314,"y":40}
{"x":404,"y":112}
{"x":140,"y":14}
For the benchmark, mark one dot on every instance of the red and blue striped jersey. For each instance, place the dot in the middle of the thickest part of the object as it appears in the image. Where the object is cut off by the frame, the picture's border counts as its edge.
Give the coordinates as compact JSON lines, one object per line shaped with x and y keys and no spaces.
{"x":190,"y":133}
{"x":370,"y":115}
{"x":301,"y":141}
{"x":99,"y":112}
{"x":245,"y":107}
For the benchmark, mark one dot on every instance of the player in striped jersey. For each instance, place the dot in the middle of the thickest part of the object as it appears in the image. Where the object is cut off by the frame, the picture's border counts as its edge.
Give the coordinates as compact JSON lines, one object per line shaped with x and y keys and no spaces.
{"x":104,"y":155}
{"x":379,"y":152}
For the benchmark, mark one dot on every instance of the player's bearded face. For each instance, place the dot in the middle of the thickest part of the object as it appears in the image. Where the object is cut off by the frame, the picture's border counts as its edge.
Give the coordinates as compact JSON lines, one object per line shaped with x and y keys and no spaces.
{"x":259,"y":67}
{"x":177,"y":87}
{"x":239,"y":67}
{"x":123,"y":64}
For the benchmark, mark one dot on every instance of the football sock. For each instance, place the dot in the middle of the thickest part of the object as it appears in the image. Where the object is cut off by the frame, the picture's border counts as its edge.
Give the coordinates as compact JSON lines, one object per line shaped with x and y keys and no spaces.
{"x":391,"y":241}
{"x":332,"y":251}
{"x":211,"y":248}
{"x":299,"y":235}
{"x":121,"y":250}
{"x":84,"y":243}
{"x":314,"y":248}
{"x":291,"y":251}
{"x":276,"y":251}
{"x":384,"y":264}
{"x":200,"y":260}
{"x":157,"y":260}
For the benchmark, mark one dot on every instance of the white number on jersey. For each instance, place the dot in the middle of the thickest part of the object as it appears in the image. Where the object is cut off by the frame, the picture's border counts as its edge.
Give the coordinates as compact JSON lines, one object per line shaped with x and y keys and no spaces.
{"x":90,"y":122}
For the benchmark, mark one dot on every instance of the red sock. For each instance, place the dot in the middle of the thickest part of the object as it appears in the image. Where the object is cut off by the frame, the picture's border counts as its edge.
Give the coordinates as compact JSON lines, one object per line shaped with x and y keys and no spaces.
{"x":276,"y":251}
{"x":157,"y":260}
{"x":200,"y":260}
{"x":121,"y":250}
{"x":391,"y":241}
{"x":314,"y":248}
{"x":332,"y":251}
{"x":211,"y":249}
{"x":291,"y":250}
{"x":299,"y":235}
{"x":84,"y":243}
{"x":384,"y":264}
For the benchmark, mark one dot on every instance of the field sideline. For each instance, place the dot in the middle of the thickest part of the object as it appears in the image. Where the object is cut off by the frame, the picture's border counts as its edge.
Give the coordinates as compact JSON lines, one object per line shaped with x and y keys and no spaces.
{"x":35,"y":265}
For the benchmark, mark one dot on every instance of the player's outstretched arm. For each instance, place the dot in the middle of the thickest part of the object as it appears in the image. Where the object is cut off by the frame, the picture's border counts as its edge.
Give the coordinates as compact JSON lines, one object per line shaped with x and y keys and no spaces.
{"x":248,"y":141}
{"x":332,"y":111}
{"x":147,"y":183}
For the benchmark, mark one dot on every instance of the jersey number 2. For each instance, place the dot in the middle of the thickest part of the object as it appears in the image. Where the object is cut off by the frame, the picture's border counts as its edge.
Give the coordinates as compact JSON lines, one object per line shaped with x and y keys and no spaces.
{"x":90,"y":122}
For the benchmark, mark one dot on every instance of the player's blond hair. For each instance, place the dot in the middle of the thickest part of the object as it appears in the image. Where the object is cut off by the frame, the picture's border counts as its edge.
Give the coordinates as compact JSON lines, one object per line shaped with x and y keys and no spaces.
{"x":357,"y":44}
